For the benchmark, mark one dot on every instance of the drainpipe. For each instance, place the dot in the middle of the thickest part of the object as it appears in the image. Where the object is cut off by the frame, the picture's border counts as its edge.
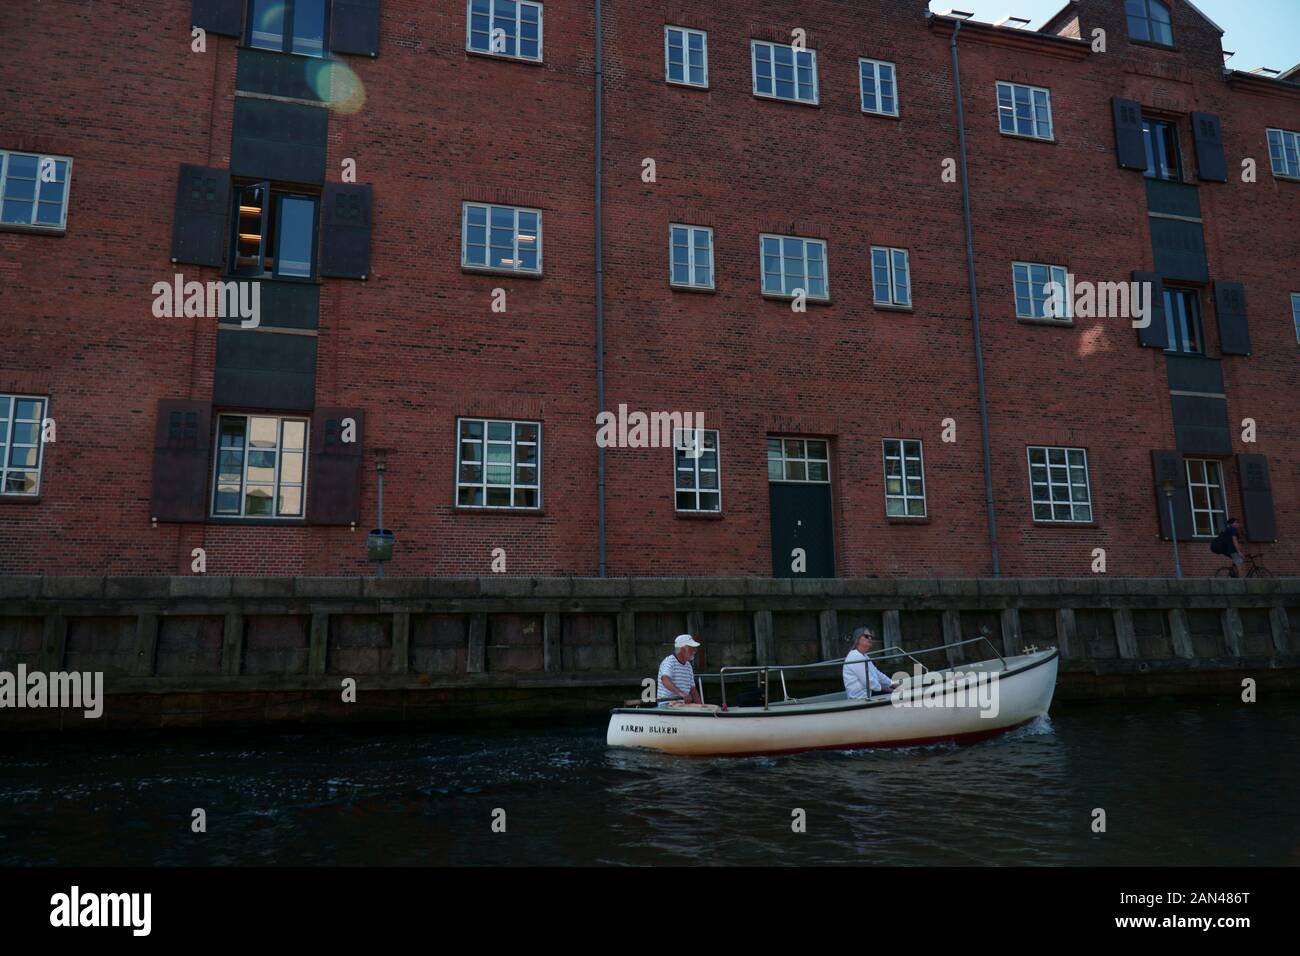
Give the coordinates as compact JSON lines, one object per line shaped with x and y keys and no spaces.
{"x":975,"y":310}
{"x":600,"y":289}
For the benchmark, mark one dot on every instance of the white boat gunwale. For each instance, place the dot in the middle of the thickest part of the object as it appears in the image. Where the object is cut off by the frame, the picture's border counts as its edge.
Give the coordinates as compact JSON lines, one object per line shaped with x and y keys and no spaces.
{"x":785,"y":708}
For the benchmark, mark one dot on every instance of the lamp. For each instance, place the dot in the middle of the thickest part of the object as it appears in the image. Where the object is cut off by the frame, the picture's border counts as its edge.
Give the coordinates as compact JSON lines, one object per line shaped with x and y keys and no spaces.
{"x":379,"y":543}
{"x":1168,"y":487}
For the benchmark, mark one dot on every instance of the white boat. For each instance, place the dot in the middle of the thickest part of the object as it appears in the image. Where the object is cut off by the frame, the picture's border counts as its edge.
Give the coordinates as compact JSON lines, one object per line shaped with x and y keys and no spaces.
{"x":955,"y":704}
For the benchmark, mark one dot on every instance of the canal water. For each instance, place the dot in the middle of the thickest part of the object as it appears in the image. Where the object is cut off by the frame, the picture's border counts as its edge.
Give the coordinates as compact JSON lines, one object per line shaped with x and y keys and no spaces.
{"x":1181,"y":782}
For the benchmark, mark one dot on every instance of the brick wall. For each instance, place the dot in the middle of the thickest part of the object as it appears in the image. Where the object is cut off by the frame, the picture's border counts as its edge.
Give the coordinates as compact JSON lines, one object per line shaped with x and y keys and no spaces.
{"x":417,"y":343}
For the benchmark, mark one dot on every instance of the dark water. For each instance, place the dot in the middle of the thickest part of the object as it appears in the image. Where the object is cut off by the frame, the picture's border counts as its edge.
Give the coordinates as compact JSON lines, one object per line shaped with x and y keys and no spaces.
{"x":1207,"y":782}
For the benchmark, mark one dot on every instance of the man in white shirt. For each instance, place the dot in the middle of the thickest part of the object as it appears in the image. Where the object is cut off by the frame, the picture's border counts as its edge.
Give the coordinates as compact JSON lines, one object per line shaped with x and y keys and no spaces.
{"x":677,"y":676}
{"x":861,"y":677}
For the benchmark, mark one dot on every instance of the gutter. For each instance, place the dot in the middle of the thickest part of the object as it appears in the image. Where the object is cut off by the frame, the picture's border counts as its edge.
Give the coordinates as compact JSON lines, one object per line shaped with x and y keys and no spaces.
{"x":600,"y":290}
{"x":975,"y":311}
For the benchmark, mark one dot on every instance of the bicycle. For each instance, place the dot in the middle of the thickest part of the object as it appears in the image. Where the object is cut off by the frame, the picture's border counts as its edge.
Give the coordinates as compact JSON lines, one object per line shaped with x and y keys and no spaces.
{"x":1251,"y":568}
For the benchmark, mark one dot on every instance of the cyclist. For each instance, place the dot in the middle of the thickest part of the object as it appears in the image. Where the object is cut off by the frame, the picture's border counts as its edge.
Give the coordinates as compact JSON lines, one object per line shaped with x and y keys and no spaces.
{"x":1226,"y":545}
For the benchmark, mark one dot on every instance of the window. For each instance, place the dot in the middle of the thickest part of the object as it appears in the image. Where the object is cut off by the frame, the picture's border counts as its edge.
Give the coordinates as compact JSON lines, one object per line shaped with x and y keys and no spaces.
{"x":1058,"y":480}
{"x":698,"y":485}
{"x":21,"y":448}
{"x":1183,"y":321}
{"x":1295,"y":314}
{"x":275,"y":233}
{"x":1205,"y":486}
{"x":890,"y":276}
{"x":499,"y":464}
{"x":692,"y":256}
{"x":798,"y":459}
{"x":1284,"y":151}
{"x":904,"y":479}
{"x":1042,"y":291}
{"x":1162,"y":149}
{"x":502,"y":238}
{"x":784,"y":73}
{"x":511,"y":28}
{"x":879,"y":92}
{"x":261,"y":468}
{"x":1149,"y":20}
{"x":791,"y":264}
{"x":289,"y":26}
{"x":1025,"y":110}
{"x":686,"y":56}
{"x":34,"y":190}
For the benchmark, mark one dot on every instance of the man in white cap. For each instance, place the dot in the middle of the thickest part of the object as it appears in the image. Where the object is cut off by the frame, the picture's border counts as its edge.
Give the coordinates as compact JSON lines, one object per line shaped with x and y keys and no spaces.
{"x":676,"y":675}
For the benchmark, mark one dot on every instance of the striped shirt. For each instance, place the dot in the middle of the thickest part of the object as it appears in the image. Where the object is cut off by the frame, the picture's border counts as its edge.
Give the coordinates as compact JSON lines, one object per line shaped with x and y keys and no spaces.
{"x":682,"y":676}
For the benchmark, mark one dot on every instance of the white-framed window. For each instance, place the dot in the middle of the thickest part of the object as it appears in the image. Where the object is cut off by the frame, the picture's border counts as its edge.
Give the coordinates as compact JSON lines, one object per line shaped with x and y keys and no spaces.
{"x":501,"y":238}
{"x":498,"y":464}
{"x":691,"y":256}
{"x":805,"y":460}
{"x":879,"y":88}
{"x":791,"y":264}
{"x":1149,"y":20}
{"x":1284,"y":151}
{"x":904,"y":478}
{"x":1209,"y":504}
{"x":686,"y":56}
{"x":22,"y":453}
{"x":1025,"y":110}
{"x":1058,"y":482}
{"x":891,"y":277}
{"x":784,"y":72}
{"x":1041,"y":291}
{"x":1295,"y":314}
{"x":509,"y":28}
{"x":260,"y":469}
{"x":34,"y":190}
{"x":698,"y":478}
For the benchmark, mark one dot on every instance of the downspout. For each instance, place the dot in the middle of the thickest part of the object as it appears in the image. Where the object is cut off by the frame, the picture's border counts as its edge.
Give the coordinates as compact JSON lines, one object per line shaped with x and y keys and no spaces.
{"x":600,"y":290}
{"x":975,"y":310}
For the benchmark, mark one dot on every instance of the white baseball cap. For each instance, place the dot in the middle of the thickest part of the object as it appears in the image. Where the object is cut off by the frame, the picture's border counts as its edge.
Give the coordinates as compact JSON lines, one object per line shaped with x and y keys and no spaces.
{"x":685,"y":640}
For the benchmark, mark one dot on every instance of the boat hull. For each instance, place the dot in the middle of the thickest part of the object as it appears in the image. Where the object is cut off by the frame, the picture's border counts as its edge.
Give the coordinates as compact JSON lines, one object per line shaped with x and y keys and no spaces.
{"x":1019,"y":694}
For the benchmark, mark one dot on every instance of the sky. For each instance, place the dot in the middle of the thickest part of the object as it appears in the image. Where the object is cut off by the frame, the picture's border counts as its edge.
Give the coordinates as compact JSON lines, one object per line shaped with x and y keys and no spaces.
{"x":1260,"y":32}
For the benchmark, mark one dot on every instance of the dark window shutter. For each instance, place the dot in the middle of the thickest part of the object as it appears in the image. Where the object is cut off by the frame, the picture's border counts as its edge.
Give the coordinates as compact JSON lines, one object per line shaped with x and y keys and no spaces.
{"x":1130,"y":144}
{"x":1230,"y":308}
{"x":345,"y":239}
{"x":180,"y":460}
{"x":1169,"y":466}
{"x":1256,"y":498}
{"x":354,"y":27}
{"x":1207,"y":136}
{"x":334,"y":488}
{"x":1156,"y":334}
{"x":199,"y":226}
{"x":225,"y":17}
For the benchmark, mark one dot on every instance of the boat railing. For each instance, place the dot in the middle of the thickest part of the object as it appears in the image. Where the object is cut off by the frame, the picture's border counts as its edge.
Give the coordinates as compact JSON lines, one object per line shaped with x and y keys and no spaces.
{"x":764,"y":671}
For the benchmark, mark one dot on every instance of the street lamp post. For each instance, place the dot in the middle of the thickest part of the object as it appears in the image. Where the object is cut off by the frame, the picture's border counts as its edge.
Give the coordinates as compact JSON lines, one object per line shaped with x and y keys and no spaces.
{"x":379,"y":543}
{"x":1173,"y":526}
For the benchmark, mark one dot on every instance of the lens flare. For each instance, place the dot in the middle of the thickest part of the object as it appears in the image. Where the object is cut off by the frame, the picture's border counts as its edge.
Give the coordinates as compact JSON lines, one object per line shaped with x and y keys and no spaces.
{"x":338,"y":86}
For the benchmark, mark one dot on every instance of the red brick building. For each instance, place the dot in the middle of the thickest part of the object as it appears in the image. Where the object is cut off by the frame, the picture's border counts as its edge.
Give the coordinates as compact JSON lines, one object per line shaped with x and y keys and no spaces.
{"x":412,"y":189}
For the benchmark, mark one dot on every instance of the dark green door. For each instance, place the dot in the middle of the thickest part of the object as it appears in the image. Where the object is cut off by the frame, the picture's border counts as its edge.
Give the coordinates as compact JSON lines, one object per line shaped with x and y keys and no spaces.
{"x":799,"y":497}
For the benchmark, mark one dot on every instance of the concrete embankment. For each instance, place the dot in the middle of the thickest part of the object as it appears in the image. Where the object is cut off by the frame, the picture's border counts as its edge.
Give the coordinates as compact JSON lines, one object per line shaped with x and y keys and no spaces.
{"x":227,"y":651}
